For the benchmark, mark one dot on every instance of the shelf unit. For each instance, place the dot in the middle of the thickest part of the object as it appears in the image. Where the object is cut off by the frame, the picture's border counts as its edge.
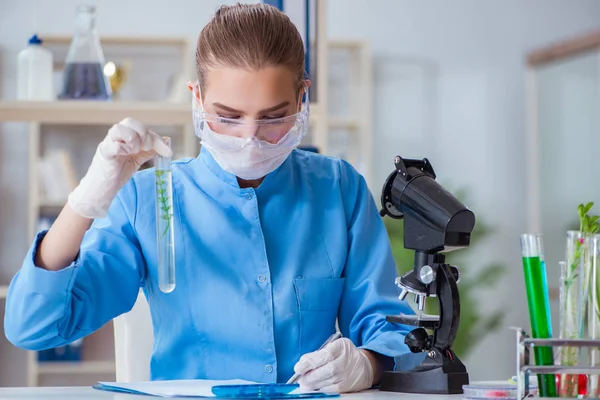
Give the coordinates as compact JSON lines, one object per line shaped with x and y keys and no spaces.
{"x":61,"y":113}
{"x":357,"y":121}
{"x":98,"y":349}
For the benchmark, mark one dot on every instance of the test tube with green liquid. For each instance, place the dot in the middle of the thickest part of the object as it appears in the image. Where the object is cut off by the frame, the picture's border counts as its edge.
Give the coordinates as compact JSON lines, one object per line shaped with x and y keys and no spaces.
{"x":536,"y":285}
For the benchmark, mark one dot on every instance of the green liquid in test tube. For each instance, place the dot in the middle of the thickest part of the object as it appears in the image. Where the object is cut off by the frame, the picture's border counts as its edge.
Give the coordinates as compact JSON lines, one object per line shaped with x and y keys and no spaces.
{"x":536,"y":285}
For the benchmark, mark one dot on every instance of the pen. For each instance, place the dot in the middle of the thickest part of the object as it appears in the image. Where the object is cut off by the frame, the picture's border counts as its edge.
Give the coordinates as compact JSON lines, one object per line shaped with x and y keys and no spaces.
{"x":331,"y":338}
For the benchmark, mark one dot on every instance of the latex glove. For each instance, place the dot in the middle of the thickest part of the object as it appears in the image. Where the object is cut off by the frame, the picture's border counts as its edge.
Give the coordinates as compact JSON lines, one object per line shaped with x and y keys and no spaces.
{"x":338,"y":367}
{"x":125,"y":148}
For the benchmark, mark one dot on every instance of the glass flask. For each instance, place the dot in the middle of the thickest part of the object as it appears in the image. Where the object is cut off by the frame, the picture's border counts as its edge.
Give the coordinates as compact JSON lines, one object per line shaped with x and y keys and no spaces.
{"x":83,"y":76}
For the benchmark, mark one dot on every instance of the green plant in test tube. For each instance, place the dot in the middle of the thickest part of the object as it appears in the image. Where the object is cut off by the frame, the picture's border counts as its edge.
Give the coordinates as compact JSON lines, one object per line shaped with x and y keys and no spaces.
{"x":164,"y":201}
{"x":536,"y":285}
{"x":570,"y":308}
{"x":165,"y":235}
{"x":593,"y":317}
{"x":584,"y":253}
{"x":579,"y":299}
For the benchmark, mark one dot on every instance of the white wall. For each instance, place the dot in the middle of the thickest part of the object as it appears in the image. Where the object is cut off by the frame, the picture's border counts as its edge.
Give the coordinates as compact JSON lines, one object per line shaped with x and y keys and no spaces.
{"x":466,"y":105}
{"x":449,"y":86}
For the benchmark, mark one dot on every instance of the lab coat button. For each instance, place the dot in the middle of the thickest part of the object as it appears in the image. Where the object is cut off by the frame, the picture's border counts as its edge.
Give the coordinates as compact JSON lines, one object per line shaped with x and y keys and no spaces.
{"x":268,"y":368}
{"x":262,"y":278}
{"x":249,"y":196}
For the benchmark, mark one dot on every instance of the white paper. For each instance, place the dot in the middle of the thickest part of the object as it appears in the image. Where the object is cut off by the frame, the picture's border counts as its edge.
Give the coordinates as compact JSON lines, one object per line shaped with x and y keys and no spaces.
{"x":192,"y":387}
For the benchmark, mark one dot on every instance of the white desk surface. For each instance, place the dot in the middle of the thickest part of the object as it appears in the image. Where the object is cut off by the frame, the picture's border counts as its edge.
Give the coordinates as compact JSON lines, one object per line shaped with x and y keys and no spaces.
{"x":87,"y":393}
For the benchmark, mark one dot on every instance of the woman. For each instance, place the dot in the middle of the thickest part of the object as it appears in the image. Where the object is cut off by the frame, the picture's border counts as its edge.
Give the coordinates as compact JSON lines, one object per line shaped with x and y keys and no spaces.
{"x":273,"y":244}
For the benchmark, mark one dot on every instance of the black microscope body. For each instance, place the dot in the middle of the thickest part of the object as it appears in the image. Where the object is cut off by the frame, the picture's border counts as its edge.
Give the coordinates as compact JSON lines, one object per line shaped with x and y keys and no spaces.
{"x":434,"y":221}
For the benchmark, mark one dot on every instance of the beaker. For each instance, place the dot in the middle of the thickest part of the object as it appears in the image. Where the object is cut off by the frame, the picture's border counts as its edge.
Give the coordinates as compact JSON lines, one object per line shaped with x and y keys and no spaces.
{"x":83,"y":75}
{"x":165,"y":233}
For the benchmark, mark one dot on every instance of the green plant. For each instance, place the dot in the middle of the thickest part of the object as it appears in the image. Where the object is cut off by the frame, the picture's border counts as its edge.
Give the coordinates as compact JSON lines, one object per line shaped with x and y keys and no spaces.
{"x":576,"y":284}
{"x":163,"y":198}
{"x":474,"y":326}
{"x":588,"y":225}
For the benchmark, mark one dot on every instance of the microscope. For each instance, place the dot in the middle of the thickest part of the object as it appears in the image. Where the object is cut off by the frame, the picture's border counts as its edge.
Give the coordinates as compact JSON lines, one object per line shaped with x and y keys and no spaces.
{"x":434,"y":221}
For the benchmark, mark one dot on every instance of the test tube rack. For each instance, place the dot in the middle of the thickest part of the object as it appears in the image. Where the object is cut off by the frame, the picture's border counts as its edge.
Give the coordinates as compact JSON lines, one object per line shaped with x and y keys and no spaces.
{"x":525,"y":368}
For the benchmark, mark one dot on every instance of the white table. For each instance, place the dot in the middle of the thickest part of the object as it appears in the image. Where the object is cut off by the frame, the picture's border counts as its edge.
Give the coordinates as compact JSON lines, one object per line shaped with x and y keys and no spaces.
{"x":87,"y":393}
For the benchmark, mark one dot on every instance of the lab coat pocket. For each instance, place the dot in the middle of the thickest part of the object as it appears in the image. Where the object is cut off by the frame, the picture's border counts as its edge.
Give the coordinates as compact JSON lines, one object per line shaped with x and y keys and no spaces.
{"x":318,"y":294}
{"x":318,"y":305}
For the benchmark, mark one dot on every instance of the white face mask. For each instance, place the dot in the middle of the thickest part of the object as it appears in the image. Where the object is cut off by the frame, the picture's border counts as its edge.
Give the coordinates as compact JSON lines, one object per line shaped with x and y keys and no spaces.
{"x":250,"y":158}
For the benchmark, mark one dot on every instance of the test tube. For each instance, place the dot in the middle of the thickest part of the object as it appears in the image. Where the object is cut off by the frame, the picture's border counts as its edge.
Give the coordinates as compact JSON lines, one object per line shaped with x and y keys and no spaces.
{"x":593,"y":384}
{"x":562,"y":290}
{"x":536,"y":285}
{"x":165,"y":234}
{"x":571,"y":309}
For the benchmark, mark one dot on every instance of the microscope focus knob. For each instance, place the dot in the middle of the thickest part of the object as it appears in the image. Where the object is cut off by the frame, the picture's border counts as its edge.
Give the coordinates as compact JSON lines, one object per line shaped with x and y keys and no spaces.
{"x":426,"y":274}
{"x":455,"y":272}
{"x":417,"y":340}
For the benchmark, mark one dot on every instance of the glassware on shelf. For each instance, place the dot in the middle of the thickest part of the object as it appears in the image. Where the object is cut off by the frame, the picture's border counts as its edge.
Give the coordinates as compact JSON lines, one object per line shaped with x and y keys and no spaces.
{"x":83,"y":74}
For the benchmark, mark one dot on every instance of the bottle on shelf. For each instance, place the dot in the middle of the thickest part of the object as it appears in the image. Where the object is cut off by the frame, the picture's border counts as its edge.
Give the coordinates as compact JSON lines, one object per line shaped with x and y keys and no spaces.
{"x":34,"y":72}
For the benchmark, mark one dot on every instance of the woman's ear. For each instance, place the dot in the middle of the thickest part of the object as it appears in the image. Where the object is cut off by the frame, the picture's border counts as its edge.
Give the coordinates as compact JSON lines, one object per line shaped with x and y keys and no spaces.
{"x":194,"y":87}
{"x":303,"y":91}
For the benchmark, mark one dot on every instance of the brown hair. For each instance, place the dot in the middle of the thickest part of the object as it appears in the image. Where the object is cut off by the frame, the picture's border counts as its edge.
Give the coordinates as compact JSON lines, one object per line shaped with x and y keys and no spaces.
{"x":249,"y":36}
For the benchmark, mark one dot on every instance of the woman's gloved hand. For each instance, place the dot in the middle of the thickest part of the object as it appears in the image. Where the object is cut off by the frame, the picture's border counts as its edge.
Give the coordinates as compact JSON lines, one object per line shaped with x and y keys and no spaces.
{"x":338,"y":367}
{"x":125,"y":148}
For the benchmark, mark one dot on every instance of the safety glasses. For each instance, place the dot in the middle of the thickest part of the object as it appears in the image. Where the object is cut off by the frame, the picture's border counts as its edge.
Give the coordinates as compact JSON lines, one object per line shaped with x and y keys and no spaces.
{"x":268,"y":130}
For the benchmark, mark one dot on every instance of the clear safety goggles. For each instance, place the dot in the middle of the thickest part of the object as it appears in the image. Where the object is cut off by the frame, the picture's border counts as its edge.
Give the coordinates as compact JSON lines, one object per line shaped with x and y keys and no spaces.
{"x":268,"y":130}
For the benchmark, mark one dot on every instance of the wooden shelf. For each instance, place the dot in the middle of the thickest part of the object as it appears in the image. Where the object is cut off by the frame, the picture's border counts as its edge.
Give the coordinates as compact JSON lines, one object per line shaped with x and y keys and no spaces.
{"x":346,"y":44}
{"x":3,"y":292}
{"x":76,"y":367}
{"x":90,"y":112}
{"x":343,"y":123}
{"x":121,"y":40}
{"x":52,"y":204}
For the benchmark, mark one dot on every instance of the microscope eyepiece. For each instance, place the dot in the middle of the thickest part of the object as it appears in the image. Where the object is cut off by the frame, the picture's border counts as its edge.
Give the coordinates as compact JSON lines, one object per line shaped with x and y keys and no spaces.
{"x":434,"y":219}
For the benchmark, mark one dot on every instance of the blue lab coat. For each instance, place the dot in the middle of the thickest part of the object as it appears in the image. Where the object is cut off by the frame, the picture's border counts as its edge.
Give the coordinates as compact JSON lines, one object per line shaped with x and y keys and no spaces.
{"x":261,"y":274}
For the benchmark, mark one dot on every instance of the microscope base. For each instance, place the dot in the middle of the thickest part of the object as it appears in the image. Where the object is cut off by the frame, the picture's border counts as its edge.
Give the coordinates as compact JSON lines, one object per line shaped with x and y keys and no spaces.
{"x":426,"y":381}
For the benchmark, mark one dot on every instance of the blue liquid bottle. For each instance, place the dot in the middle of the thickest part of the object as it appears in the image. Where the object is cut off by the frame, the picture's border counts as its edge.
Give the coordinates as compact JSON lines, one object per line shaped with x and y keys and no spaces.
{"x":83,"y":76}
